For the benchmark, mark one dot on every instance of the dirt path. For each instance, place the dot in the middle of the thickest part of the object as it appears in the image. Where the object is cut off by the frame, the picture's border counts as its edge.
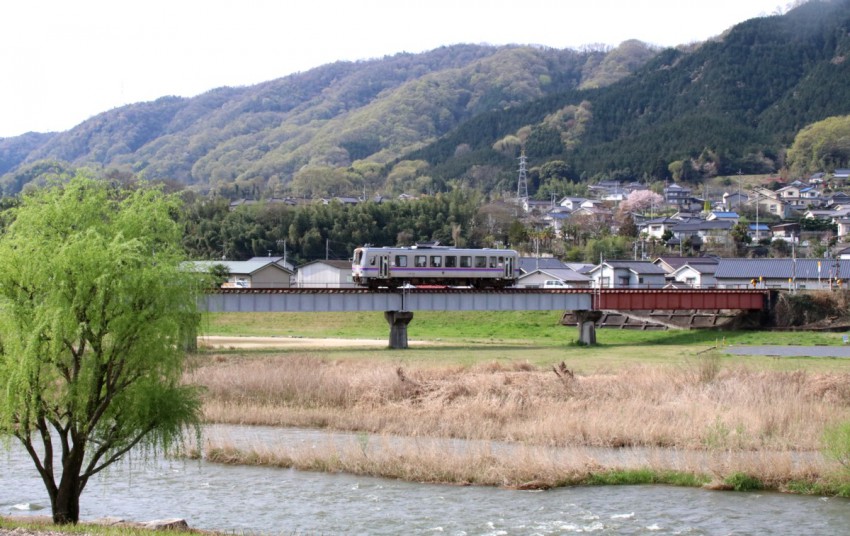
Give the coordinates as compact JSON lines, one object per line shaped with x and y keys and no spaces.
{"x":294,"y":342}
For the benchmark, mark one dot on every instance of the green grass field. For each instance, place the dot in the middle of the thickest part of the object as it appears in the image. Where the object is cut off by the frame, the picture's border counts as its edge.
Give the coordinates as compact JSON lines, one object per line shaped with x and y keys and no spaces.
{"x":466,"y":338}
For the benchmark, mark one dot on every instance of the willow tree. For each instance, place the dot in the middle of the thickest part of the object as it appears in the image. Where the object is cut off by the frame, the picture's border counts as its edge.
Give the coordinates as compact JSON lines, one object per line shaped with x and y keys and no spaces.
{"x":93,"y":309}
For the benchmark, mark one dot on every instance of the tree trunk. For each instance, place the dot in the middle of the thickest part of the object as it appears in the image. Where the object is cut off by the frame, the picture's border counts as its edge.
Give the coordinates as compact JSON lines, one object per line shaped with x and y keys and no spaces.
{"x":66,"y":503}
{"x":66,"y":507}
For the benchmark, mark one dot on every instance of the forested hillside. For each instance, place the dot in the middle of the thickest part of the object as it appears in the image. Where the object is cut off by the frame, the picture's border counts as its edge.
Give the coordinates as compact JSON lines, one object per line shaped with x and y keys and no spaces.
{"x":258,"y":137}
{"x":733,"y":104}
{"x":459,"y":115}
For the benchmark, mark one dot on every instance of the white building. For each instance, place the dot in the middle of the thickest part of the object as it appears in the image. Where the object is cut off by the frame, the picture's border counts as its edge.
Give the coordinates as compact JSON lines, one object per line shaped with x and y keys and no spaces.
{"x":627,"y":274}
{"x":325,"y":274}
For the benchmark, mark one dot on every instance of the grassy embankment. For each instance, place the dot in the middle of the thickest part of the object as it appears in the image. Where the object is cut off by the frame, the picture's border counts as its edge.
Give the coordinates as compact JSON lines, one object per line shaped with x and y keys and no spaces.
{"x":43,"y":526}
{"x":678,"y":410}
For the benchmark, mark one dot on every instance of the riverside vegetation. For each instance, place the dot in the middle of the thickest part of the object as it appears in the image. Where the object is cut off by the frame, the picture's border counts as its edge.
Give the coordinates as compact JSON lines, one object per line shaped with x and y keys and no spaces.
{"x":673,"y":405}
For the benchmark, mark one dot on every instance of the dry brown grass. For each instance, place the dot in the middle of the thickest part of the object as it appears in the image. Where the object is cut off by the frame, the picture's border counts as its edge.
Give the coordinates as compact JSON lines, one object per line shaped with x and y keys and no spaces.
{"x":695,"y":405}
{"x":519,"y":466}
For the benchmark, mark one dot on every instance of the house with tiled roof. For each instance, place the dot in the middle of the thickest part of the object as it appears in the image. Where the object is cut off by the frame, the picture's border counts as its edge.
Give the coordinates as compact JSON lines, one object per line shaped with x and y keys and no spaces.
{"x":627,"y":274}
{"x":527,"y":265}
{"x":708,"y":232}
{"x":677,"y":195}
{"x":571,"y":278}
{"x":837,"y":198}
{"x":800,"y":195}
{"x":769,"y":203}
{"x":671,"y":263}
{"x":696,"y":275}
{"x":656,"y":227}
{"x":782,"y":273}
{"x":259,"y":272}
{"x":789,"y":232}
{"x":556,"y":218}
{"x":718,"y":215}
{"x":731,"y":201}
{"x":571,"y":203}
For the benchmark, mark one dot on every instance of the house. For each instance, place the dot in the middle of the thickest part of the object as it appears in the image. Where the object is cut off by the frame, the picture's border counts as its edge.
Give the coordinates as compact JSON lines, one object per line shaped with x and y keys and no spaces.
{"x":843,"y":254}
{"x":580,"y":267}
{"x":527,"y":265}
{"x":571,"y":278}
{"x":696,"y":275}
{"x":708,"y":232}
{"x":260,"y":272}
{"x":841,"y":175}
{"x":837,"y":198}
{"x":716,"y":215}
{"x":842,"y":226}
{"x":556,"y":218}
{"x":596,"y":214}
{"x":279,"y":260}
{"x":634,"y":187}
{"x":536,"y":206}
{"x":671,"y":263}
{"x":627,"y":274}
{"x":656,"y":227}
{"x":821,"y":214}
{"x":325,"y":274}
{"x":759,"y":231}
{"x":734,"y":200}
{"x":677,"y":195}
{"x":341,"y":200}
{"x":771,"y":204}
{"x":571,"y":203}
{"x":782,"y":273}
{"x":789,"y":232}
{"x":605,"y":188}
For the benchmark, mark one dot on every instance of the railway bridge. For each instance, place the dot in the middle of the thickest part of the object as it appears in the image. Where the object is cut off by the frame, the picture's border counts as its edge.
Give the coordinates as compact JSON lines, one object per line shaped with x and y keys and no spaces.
{"x":399,"y":305}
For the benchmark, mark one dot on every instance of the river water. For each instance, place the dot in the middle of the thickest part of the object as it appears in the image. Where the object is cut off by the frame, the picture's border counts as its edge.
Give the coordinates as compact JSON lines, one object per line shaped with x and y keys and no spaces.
{"x":284,"y":501}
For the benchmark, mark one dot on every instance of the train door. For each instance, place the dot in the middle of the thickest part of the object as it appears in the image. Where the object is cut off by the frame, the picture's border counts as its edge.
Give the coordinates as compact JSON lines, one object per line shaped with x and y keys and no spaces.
{"x":509,"y":268}
{"x":383,"y":266}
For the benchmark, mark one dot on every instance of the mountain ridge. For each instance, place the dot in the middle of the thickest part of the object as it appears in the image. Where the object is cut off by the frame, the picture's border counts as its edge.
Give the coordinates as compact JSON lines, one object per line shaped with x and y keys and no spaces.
{"x":281,"y":125}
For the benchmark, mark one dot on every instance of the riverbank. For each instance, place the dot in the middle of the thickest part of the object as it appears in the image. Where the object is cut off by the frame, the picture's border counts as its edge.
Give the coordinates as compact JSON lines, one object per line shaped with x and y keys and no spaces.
{"x":729,"y":422}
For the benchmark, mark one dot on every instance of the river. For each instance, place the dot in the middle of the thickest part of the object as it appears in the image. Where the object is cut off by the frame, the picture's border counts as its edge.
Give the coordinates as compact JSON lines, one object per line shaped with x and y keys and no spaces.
{"x":282,"y":501}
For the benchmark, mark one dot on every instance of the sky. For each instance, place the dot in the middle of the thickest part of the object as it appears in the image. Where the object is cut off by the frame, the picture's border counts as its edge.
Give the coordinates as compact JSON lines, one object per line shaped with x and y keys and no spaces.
{"x":64,"y":61}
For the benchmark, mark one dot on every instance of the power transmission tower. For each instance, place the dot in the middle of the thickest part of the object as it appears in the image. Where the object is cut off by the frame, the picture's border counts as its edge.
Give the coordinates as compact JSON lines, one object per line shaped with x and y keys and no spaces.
{"x":522,"y":182}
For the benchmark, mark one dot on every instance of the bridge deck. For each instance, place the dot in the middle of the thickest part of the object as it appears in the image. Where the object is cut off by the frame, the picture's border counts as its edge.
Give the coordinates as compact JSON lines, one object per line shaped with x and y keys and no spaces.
{"x":342,"y":300}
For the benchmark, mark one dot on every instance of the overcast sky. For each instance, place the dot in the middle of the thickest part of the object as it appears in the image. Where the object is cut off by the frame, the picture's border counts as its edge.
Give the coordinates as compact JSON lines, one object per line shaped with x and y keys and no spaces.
{"x":64,"y":61}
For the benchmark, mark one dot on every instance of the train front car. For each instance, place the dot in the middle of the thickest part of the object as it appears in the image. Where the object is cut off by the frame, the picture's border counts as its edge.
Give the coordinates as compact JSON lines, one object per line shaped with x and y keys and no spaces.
{"x":429,"y":265}
{"x":365,"y":270}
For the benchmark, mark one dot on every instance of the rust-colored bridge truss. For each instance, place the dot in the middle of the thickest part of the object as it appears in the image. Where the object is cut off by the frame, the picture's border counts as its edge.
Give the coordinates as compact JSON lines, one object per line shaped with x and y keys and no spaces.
{"x":704,"y":299}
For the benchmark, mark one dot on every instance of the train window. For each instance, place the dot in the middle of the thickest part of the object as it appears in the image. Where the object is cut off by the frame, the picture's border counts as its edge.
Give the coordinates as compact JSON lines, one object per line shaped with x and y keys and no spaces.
{"x":436,"y":261}
{"x":466,"y":262}
{"x":358,"y":256}
{"x":492,"y":262}
{"x":501,"y":261}
{"x":372,"y":261}
{"x":451,"y":261}
{"x":481,"y":262}
{"x":420,"y":261}
{"x":401,"y":261}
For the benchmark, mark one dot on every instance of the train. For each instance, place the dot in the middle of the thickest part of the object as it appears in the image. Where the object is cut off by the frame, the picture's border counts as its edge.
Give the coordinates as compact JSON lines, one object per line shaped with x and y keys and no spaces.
{"x":395,"y":267}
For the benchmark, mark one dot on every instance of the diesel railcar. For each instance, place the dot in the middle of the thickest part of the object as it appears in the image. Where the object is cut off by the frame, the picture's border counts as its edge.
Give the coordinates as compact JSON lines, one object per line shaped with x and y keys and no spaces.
{"x":375,"y":267}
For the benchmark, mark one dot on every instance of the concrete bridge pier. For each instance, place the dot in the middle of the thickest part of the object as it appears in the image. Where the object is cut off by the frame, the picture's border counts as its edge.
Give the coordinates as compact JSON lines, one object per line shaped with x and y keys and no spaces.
{"x":587,"y":326}
{"x":398,"y":321}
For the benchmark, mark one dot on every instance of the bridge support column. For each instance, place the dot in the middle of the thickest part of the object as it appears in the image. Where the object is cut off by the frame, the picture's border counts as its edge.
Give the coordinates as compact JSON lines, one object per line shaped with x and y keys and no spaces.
{"x":587,"y":326}
{"x":398,"y":321}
